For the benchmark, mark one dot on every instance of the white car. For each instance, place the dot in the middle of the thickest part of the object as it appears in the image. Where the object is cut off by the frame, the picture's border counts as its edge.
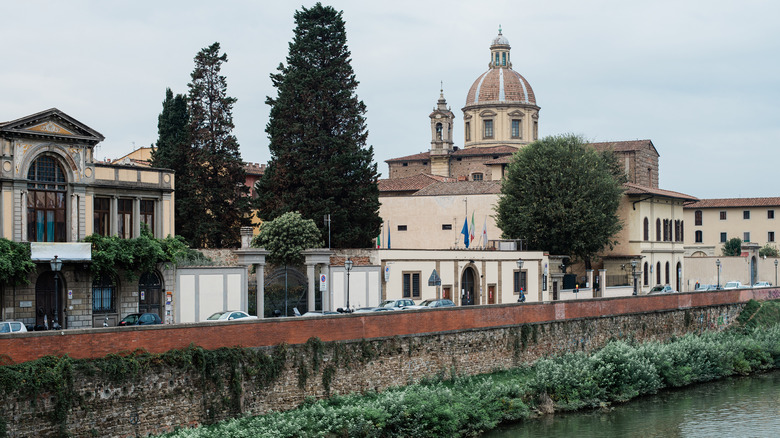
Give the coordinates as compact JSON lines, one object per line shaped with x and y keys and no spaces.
{"x":230,"y":315}
{"x":733,"y":285}
{"x":12,"y":327}
{"x":762,"y":284}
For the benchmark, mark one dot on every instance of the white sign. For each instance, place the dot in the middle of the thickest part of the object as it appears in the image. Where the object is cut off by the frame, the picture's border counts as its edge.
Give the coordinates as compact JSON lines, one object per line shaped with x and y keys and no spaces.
{"x":387,"y":274}
{"x":323,"y":282}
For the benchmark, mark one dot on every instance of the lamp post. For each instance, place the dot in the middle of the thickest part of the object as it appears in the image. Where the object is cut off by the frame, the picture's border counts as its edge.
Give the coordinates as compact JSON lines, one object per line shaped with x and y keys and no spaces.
{"x":348,"y":267}
{"x":521,"y":296}
{"x":56,"y":266}
{"x":717,"y":263}
{"x":775,"y":272}
{"x":633,"y":274}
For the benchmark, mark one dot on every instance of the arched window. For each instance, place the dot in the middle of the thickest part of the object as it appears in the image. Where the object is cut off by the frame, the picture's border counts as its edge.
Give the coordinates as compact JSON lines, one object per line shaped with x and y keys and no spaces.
{"x":697,"y":217}
{"x":503,"y":58}
{"x":658,"y":273}
{"x":667,"y":273}
{"x":103,"y":295}
{"x":647,"y":231}
{"x":646,"y":274}
{"x":698,"y":236}
{"x":46,"y":189}
{"x":666,"y":230}
{"x":658,"y":230}
{"x":682,"y":231}
{"x":439,"y":130}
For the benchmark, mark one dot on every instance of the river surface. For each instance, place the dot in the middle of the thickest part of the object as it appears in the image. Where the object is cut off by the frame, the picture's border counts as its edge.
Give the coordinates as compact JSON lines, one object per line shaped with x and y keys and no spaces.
{"x":736,"y":407}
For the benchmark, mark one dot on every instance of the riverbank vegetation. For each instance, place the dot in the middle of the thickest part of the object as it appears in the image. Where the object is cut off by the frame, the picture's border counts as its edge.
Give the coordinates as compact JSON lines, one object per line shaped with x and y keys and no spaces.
{"x":466,"y":406}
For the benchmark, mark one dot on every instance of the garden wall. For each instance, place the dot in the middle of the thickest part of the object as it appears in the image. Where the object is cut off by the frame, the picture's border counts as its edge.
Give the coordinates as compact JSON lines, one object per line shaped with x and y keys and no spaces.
{"x":351,"y":353}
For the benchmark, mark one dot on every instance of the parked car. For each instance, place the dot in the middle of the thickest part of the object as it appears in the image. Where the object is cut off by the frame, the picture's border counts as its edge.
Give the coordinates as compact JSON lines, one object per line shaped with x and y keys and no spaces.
{"x":397,"y":304}
{"x":665,"y":289}
{"x":140,"y":319}
{"x":230,"y":315}
{"x":733,"y":285}
{"x":428,"y":304}
{"x":706,"y":287}
{"x":373,"y":309}
{"x":12,"y":327}
{"x":762,"y":284}
{"x":320,"y":313}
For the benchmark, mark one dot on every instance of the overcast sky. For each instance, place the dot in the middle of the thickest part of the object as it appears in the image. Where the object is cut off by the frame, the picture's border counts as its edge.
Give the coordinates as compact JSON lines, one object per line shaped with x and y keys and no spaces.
{"x":701,"y":79}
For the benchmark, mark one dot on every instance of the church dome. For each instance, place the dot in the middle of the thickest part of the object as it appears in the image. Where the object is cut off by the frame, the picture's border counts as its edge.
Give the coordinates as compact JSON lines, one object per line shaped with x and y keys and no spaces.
{"x":500,"y":85}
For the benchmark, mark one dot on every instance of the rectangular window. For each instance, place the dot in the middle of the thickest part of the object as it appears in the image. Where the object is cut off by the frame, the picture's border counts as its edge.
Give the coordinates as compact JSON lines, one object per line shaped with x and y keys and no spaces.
{"x":746,"y":236}
{"x":699,"y":236}
{"x":520,"y":278}
{"x":770,"y":214}
{"x":770,"y":236}
{"x":46,"y":216}
{"x":124,"y":224}
{"x":411,"y":284}
{"x":488,"y":129}
{"x":536,"y":130}
{"x":746,"y":214}
{"x":723,"y":238}
{"x":723,"y":215}
{"x":517,"y":130}
{"x":468,"y":131}
{"x":476,"y":177}
{"x":697,"y":215}
{"x":103,"y":298}
{"x":147,"y":214}
{"x":402,"y":228}
{"x":102,"y":215}
{"x":446,"y":226}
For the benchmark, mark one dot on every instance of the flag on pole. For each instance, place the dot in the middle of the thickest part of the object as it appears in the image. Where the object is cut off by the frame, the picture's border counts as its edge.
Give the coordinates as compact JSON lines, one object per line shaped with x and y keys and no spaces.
{"x":471,"y":236}
{"x":484,"y":233}
{"x":465,"y":232}
{"x":379,"y":239}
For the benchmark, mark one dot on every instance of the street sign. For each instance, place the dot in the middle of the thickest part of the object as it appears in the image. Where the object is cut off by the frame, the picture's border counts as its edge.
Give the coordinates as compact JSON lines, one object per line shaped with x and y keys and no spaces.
{"x":323,"y":283}
{"x":434,"y":279}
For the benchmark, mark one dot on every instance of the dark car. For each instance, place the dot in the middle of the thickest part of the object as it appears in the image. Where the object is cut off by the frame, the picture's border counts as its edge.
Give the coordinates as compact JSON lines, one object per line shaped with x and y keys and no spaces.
{"x":140,"y":319}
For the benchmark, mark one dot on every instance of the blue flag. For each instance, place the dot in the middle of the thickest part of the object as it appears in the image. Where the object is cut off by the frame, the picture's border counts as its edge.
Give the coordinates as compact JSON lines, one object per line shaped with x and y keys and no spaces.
{"x":465,"y":232}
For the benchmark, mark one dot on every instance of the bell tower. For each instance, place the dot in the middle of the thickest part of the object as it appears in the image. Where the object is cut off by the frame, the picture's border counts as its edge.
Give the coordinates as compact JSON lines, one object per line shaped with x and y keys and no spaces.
{"x":442,"y":119}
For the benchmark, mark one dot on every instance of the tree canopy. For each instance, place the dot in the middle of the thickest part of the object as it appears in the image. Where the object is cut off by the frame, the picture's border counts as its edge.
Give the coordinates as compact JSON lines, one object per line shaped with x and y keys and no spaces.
{"x":15,"y":262}
{"x":320,"y":163}
{"x":732,"y":247}
{"x":561,"y":195}
{"x":768,"y":251}
{"x":286,"y":236}
{"x":218,"y":205}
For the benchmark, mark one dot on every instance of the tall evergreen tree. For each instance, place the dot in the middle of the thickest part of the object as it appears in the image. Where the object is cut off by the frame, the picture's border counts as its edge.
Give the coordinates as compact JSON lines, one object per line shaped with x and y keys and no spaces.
{"x":173,"y":151}
{"x":320,"y":163}
{"x":219,"y":200}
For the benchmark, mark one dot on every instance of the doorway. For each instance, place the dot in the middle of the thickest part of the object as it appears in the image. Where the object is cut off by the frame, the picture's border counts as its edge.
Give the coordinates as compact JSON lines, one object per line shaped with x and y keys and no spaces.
{"x":49,"y":308}
{"x":467,"y":287}
{"x":150,"y":294}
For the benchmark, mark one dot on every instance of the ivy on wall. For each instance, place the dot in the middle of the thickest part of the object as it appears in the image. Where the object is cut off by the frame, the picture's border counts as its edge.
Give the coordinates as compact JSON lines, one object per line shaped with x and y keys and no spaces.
{"x":15,"y":262}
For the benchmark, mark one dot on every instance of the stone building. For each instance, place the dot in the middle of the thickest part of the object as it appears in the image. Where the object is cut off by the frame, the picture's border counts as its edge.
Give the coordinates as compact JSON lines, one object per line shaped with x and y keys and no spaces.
{"x":53,"y":194}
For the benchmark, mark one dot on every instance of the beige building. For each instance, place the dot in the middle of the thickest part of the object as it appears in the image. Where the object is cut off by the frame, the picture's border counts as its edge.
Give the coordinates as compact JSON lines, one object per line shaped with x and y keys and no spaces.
{"x":53,"y":194}
{"x":715,"y":221}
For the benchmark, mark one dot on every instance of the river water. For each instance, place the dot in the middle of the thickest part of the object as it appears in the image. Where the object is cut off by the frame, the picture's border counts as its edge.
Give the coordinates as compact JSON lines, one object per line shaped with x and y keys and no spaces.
{"x":736,"y":407}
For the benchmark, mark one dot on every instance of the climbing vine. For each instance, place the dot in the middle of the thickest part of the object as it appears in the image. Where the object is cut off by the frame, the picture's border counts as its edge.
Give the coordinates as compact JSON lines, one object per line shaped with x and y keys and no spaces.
{"x":15,"y":262}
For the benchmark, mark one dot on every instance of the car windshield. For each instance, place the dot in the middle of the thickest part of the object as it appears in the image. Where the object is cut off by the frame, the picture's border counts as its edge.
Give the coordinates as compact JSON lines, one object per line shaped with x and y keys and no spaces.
{"x":216,"y":316}
{"x":130,"y":319}
{"x":657,"y":289}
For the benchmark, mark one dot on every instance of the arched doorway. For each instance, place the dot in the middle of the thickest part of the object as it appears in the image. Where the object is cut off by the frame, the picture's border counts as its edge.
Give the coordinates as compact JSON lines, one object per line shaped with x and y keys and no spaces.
{"x":49,"y":301}
{"x":150,"y":294}
{"x":468,"y":287}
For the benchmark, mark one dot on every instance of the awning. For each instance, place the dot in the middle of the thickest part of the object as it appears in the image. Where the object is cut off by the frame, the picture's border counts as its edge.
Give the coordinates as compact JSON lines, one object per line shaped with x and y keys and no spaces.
{"x":65,"y":251}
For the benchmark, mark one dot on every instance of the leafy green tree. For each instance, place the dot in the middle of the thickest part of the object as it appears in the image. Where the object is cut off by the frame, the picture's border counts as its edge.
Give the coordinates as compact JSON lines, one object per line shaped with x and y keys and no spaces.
{"x":218,"y":205}
{"x":562,"y":196}
{"x":320,"y":163}
{"x":174,"y":151}
{"x":768,"y":251}
{"x":15,"y":262}
{"x":733,"y":247}
{"x":285,"y":237}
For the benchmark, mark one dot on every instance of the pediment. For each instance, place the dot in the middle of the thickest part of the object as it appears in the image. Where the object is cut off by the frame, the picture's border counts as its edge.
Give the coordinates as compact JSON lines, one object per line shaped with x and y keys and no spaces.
{"x":488,"y":113}
{"x":53,"y":124}
{"x":516,"y":113}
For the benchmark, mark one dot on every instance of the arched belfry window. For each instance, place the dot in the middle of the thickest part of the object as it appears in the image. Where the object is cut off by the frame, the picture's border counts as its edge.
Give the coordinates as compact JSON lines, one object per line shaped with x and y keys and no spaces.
{"x":46,"y":187}
{"x":439,"y":130}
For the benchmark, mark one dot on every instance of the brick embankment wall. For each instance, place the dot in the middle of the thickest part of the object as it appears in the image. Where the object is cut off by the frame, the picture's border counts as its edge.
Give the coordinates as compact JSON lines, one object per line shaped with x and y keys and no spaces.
{"x":165,"y":397}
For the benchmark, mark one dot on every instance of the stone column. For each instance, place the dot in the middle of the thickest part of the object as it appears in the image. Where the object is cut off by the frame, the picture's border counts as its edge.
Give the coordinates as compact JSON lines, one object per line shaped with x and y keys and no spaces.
{"x":311,"y":275}
{"x":589,"y":273}
{"x":602,"y":281}
{"x":260,"y":278}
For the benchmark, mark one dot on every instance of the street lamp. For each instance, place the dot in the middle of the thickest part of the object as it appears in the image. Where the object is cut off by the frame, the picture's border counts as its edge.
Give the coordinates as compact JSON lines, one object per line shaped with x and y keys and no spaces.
{"x":633,"y":274}
{"x":775,"y":272}
{"x":348,"y":267}
{"x":56,"y":266}
{"x":521,"y":297}
{"x":717,"y":263}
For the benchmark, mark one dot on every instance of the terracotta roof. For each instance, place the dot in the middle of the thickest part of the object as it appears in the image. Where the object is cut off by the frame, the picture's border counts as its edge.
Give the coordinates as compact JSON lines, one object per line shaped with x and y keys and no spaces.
{"x":416,"y":157}
{"x":506,"y":159}
{"x":636,"y":189}
{"x":461,"y":188}
{"x":410,"y":183}
{"x":623,"y":146}
{"x":500,"y":85}
{"x":735,"y":202}
{"x":493,"y":150}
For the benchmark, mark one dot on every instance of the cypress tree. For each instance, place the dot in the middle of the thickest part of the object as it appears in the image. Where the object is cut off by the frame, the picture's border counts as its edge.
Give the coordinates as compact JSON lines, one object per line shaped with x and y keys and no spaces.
{"x":218,"y":205}
{"x":320,"y":163}
{"x":173,"y":151}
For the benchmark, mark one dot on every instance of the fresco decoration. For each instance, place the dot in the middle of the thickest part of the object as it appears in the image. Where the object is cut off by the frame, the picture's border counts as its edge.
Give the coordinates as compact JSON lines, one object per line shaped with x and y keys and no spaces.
{"x":51,"y":128}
